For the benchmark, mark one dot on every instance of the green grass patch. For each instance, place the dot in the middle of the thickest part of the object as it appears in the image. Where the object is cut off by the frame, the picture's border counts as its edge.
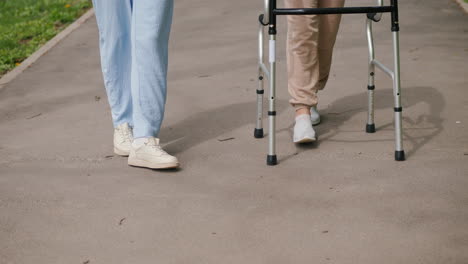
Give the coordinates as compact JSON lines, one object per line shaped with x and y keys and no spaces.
{"x":25,"y":25}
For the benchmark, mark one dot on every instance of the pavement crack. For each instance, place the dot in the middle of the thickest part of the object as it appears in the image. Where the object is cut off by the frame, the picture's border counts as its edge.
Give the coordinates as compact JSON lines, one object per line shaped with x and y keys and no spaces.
{"x":226,"y":139}
{"x":34,"y":116}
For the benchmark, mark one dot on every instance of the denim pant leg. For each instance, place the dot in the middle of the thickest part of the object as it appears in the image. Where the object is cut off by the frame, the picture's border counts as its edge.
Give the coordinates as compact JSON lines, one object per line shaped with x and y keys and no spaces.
{"x":114,"y":23}
{"x":151,"y":26}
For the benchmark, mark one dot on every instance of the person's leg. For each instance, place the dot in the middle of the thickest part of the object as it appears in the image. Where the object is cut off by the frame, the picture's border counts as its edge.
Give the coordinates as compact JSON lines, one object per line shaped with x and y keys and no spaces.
{"x":151,"y":25}
{"x":114,"y":21}
{"x":303,"y":61}
{"x":329,"y":26}
{"x":303,"y":67}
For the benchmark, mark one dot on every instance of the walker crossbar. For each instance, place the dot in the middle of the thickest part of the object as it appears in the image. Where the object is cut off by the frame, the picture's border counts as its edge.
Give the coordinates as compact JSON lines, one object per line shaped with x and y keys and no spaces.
{"x":328,"y":11}
{"x":373,"y":15}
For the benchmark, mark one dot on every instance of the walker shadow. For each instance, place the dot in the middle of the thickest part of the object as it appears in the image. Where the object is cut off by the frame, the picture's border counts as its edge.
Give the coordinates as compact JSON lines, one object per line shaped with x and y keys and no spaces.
{"x":417,"y":130}
{"x":210,"y":124}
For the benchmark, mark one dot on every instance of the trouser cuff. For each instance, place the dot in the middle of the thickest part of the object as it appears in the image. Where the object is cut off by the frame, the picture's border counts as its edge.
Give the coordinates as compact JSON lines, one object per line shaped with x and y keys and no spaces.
{"x":302,"y":106}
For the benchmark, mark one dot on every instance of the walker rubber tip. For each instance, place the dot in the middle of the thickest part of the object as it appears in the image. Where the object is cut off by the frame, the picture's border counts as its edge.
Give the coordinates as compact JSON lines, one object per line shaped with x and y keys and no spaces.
{"x":400,"y":155}
{"x":272,"y":160}
{"x":258,"y":133}
{"x":370,"y":128}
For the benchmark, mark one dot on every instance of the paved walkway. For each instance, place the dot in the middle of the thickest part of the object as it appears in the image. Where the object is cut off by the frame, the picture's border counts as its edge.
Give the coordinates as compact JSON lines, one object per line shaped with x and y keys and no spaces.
{"x":64,"y":197}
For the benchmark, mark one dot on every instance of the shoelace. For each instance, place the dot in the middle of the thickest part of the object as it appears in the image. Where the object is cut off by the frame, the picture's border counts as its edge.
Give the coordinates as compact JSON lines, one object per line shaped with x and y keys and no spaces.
{"x":157,"y":147}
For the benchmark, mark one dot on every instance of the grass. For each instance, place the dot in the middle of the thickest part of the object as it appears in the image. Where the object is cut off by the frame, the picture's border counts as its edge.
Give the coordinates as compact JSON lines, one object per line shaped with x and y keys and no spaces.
{"x":25,"y":25}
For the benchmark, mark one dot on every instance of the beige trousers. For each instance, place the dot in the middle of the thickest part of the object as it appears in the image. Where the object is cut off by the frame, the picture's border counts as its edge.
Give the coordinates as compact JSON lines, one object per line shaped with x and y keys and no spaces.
{"x":310,"y":48}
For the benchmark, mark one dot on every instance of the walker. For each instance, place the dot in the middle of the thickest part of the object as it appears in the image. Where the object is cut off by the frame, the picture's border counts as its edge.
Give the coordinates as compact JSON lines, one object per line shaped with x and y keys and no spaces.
{"x":374,"y":14}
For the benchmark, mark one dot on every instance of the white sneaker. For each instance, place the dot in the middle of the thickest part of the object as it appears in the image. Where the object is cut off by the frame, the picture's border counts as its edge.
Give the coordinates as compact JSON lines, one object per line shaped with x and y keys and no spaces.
{"x":314,"y":116}
{"x":123,"y":138}
{"x":303,"y":130}
{"x":146,"y":152}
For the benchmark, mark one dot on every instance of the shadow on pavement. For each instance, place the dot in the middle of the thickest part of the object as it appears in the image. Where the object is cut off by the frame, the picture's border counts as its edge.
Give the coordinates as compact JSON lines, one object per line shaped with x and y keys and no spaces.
{"x":418,"y":130}
{"x":210,"y":124}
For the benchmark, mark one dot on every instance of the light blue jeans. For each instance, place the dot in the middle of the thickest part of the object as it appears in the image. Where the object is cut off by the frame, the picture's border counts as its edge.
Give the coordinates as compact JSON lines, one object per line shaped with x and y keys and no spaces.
{"x":133,"y":38}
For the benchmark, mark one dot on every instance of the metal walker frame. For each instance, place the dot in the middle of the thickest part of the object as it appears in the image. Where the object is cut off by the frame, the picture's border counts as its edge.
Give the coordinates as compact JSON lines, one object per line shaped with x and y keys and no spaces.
{"x":374,"y":14}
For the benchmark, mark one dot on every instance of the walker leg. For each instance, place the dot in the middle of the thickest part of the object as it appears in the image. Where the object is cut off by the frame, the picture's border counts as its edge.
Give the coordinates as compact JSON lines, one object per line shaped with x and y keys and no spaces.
{"x":271,"y":158}
{"x":399,"y":152}
{"x":370,"y":126}
{"x":258,"y":133}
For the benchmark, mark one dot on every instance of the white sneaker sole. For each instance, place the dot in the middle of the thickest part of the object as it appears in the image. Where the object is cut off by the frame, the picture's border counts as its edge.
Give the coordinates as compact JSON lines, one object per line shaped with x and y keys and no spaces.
{"x":316,"y":122}
{"x":145,"y":164}
{"x":120,"y":152}
{"x":305,"y":140}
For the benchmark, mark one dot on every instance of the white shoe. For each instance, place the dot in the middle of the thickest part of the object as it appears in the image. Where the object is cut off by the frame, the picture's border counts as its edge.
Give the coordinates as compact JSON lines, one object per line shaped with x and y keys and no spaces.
{"x":303,"y":130}
{"x":146,"y":152}
{"x":314,"y":116}
{"x":123,"y":138}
